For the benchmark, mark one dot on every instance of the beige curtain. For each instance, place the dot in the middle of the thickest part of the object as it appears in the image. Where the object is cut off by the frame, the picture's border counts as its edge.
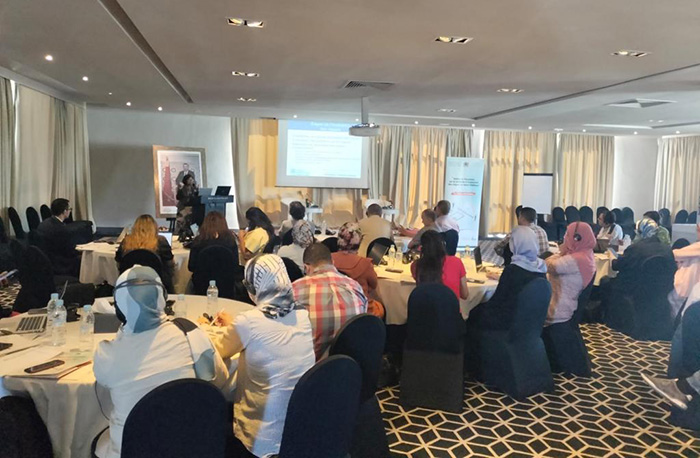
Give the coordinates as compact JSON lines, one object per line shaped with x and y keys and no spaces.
{"x":585,"y":170}
{"x":508,"y":155}
{"x":7,"y":147}
{"x":678,"y":174}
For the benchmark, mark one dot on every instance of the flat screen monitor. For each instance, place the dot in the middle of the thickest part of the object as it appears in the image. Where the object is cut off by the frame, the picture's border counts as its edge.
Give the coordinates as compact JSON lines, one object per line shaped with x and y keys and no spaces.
{"x":222,"y":190}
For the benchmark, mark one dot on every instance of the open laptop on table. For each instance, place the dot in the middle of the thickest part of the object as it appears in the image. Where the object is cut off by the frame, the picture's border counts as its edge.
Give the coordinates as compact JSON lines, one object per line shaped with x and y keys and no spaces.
{"x":222,"y":190}
{"x":168,"y":236}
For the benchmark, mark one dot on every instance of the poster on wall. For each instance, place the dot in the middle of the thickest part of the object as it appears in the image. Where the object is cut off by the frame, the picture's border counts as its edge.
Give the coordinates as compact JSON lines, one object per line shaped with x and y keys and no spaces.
{"x":170,"y":165}
{"x":464,"y":181}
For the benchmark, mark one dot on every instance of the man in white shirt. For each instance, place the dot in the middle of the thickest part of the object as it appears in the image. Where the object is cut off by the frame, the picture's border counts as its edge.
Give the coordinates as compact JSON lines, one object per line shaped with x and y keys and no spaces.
{"x":373,"y":227}
{"x":444,"y":222}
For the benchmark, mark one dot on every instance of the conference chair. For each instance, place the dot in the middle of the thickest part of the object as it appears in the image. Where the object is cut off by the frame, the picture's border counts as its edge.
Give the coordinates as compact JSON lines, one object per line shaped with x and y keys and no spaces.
{"x":618,"y":215}
{"x":143,"y":258}
{"x":33,"y":219}
{"x":564,"y":343}
{"x":161,"y":424}
{"x":693,"y":218}
{"x":331,"y":243}
{"x":652,"y":315}
{"x":451,"y":238}
{"x":217,"y":263}
{"x":362,"y":339}
{"x":293,"y":270}
{"x":681,"y":217}
{"x":665,"y":214}
{"x":680,"y":243}
{"x":378,"y":248}
{"x":3,"y":233}
{"x":572,"y":214}
{"x":627,"y":215}
{"x":432,"y":376}
{"x":16,"y":223}
{"x":515,"y":360}
{"x":24,"y":434}
{"x":287,"y":238}
{"x":559,"y":220}
{"x":586,"y":214}
{"x":322,"y":410}
{"x":45,"y":212}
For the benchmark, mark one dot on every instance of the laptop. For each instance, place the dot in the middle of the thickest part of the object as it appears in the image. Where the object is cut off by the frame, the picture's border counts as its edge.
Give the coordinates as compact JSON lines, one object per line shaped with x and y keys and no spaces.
{"x":222,"y":190}
{"x":477,"y":259}
{"x":168,"y":236}
{"x":602,"y":245}
{"x":205,"y":192}
{"x":117,"y":240}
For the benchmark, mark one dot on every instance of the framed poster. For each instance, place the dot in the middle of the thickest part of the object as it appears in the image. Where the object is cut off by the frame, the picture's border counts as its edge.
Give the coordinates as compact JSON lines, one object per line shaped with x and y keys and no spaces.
{"x":170,"y":165}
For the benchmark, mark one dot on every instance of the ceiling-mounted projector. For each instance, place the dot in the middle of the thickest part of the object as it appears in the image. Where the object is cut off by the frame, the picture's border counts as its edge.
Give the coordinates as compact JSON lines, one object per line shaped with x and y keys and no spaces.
{"x":365,"y":128}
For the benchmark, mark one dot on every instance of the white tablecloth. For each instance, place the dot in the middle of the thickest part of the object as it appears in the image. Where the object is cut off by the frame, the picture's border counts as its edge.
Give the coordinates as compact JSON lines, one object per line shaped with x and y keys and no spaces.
{"x":395,"y":288}
{"x":98,"y":264}
{"x":69,"y":406}
{"x":603,"y":267}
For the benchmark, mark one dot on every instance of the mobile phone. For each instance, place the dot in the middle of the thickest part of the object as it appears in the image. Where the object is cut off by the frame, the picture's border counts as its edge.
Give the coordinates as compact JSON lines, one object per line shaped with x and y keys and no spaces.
{"x":44,"y":366}
{"x":4,"y":346}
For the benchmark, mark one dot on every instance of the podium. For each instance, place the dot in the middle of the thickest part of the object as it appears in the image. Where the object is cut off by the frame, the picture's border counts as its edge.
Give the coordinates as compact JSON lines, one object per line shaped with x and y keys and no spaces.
{"x":206,"y":204}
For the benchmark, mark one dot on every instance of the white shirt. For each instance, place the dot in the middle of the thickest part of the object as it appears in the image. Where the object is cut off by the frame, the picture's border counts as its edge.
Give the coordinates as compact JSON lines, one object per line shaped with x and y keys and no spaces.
{"x":373,"y":227}
{"x":445,"y":223}
{"x":293,"y":252}
{"x":614,"y":234}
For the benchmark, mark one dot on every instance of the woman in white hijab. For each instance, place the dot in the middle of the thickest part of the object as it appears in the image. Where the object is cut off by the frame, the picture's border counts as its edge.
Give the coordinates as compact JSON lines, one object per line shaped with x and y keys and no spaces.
{"x":276,"y":347}
{"x":147,"y":352}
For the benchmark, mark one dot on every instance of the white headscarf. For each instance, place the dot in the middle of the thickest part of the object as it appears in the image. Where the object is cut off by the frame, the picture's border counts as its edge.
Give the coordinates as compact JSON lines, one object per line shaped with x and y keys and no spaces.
{"x":523,"y":244}
{"x":273,"y":289}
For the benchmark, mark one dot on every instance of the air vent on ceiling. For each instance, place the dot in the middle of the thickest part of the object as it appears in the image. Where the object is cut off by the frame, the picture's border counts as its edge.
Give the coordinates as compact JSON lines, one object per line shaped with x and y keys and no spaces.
{"x":639,"y":103}
{"x":382,"y":86}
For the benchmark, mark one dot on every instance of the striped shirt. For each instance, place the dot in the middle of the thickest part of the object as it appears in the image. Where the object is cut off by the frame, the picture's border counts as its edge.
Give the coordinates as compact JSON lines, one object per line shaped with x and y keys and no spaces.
{"x":331,"y":299}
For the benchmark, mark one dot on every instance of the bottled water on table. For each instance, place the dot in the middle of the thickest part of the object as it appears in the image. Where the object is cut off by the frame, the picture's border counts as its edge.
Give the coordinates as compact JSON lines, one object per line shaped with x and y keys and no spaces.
{"x":58,"y":326}
{"x":87,"y":328}
{"x":392,"y":256}
{"x":180,"y":307}
{"x":212,"y":299}
{"x":50,"y":309}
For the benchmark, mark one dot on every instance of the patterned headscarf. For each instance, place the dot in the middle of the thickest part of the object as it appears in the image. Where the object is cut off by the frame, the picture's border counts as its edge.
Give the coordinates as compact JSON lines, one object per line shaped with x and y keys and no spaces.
{"x":646,"y":228}
{"x":302,"y":234}
{"x":273,"y":289}
{"x":349,"y":237}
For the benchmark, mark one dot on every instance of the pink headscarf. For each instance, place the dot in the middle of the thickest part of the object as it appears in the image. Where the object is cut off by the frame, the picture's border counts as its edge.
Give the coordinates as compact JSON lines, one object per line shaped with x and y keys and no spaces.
{"x":688,"y":273}
{"x":581,"y":250}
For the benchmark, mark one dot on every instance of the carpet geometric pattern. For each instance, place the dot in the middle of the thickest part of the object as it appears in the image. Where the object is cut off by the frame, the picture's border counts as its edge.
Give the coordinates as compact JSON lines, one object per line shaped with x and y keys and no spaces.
{"x":612,"y":414}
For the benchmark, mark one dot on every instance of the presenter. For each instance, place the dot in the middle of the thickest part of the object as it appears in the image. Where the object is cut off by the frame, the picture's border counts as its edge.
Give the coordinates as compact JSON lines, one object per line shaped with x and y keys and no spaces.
{"x":187,"y":193}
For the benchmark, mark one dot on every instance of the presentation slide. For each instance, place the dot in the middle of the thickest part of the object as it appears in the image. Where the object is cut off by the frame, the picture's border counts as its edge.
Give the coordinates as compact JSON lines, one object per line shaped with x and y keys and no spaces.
{"x":321,"y":154}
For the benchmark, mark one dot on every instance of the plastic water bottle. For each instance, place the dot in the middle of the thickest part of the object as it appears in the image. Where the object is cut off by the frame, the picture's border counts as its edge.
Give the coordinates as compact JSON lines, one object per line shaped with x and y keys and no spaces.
{"x":180,"y":307}
{"x":58,"y":327}
{"x":50,"y":309}
{"x":212,"y":298}
{"x":392,"y":256}
{"x":87,"y":328}
{"x":324,"y":226}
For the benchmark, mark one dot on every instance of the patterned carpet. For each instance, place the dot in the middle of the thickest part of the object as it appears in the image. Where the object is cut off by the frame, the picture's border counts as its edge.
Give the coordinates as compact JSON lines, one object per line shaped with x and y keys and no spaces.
{"x":613,"y":414}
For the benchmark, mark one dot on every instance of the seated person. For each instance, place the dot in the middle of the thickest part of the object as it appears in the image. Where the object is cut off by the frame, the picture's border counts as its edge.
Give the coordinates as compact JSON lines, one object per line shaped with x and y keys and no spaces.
{"x":662,"y":232}
{"x":147,"y":352}
{"x":444,"y":222}
{"x":214,"y":232}
{"x":256,"y":238}
{"x":276,"y":348}
{"x":435,"y":266}
{"x":677,"y":392}
{"x":56,"y":239}
{"x":609,"y":230}
{"x":688,"y":274}
{"x":144,"y":236}
{"x":525,"y":266}
{"x":297,"y":212}
{"x":330,"y":297}
{"x":360,"y":269}
{"x":527,"y":217}
{"x":373,"y":227}
{"x":570,"y":272}
{"x":302,"y":238}
{"x":428,"y":218}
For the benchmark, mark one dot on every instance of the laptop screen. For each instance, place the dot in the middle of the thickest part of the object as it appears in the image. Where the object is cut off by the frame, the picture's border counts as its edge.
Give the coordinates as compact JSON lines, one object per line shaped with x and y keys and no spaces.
{"x":168,"y":236}
{"x":477,"y":257}
{"x":222,"y":190}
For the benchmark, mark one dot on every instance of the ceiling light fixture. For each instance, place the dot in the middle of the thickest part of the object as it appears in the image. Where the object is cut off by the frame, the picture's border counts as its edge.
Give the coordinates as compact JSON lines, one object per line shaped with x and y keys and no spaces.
{"x":457,"y":40}
{"x":506,"y":90}
{"x":660,"y":120}
{"x":295,"y":116}
{"x":415,"y":122}
{"x":447,"y":110}
{"x":473,"y":125}
{"x":49,"y":57}
{"x":248,"y":74}
{"x":635,"y":133}
{"x":558,"y":129}
{"x":678,"y":132}
{"x":128,"y":104}
{"x":357,"y":119}
{"x":247,"y":99}
{"x":160,"y":108}
{"x":584,"y":130}
{"x":239,"y":22}
{"x":630,"y":53}
{"x":85,"y":78}
{"x":444,"y":124}
{"x":529,"y":127}
{"x":109,"y":93}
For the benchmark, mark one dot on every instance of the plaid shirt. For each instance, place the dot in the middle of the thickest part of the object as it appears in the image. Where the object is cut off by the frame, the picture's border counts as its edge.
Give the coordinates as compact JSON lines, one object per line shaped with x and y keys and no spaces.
{"x":542,"y":241}
{"x":331,"y":299}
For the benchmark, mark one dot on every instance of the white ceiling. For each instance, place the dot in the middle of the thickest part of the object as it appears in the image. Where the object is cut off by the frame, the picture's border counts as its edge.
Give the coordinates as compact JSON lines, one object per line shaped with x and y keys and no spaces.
{"x":310,"y":48}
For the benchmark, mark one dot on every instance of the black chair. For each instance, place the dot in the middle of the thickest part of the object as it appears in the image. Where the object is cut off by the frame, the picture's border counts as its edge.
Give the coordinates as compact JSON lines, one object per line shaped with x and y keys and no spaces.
{"x":627,"y":215}
{"x":16,"y":223}
{"x":33,"y":219}
{"x":693,"y":218}
{"x":572,"y":214}
{"x":451,"y":240}
{"x":217,"y":263}
{"x":681,"y":217}
{"x":287,"y":238}
{"x":378,"y":248}
{"x":586,"y":214}
{"x":559,"y":220}
{"x":45,"y":212}
{"x":515,"y":360}
{"x":362,"y":339}
{"x":142,"y":258}
{"x":618,"y":214}
{"x":322,"y":410}
{"x":652,"y":316}
{"x":331,"y":243}
{"x":162,"y":423}
{"x":433,"y":357}
{"x":3,"y":233}
{"x":665,"y":214}
{"x":293,"y":270}
{"x":564,"y":343}
{"x":680,"y":243}
{"x":24,"y":434}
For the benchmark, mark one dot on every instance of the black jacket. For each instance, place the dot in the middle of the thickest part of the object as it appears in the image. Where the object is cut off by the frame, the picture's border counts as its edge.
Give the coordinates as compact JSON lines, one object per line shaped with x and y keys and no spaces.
{"x":57,"y":241}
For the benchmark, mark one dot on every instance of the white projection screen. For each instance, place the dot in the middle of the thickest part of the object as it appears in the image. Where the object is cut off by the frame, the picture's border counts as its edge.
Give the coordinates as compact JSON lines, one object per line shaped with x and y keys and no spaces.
{"x":315,"y":154}
{"x":537,"y":192}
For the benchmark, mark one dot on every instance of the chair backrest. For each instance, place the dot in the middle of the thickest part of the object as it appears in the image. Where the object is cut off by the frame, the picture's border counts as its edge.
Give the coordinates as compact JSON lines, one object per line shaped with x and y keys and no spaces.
{"x":680,"y":243}
{"x":531,"y":310}
{"x":377,"y":249}
{"x":583,"y":299}
{"x":572,"y":214}
{"x":184,"y":417}
{"x":143,"y":258}
{"x":600,"y":210}
{"x":657,"y":274}
{"x":3,"y":232}
{"x":33,"y":219}
{"x":218,"y":263}
{"x":293,"y":270}
{"x":24,"y":432}
{"x":627,"y":215}
{"x":322,"y":410}
{"x":618,"y":215}
{"x":331,"y":243}
{"x":665,"y":214}
{"x":35,"y":277}
{"x":681,"y":217}
{"x":558,"y":215}
{"x":693,"y":218}
{"x":362,"y":338}
{"x":434,"y":322}
{"x":451,"y":240}
{"x":287,"y":238}
{"x":45,"y":212}
{"x":16,"y":223}
{"x":586,"y":214}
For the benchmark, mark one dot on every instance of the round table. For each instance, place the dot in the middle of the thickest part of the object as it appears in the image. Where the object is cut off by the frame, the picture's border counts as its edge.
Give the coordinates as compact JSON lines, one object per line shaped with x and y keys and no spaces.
{"x":603,"y":267}
{"x":69,"y":406}
{"x":98,"y":264}
{"x":395,"y":288}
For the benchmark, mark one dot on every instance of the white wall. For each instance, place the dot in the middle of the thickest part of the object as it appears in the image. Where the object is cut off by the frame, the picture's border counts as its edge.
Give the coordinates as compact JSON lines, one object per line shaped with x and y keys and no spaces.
{"x":121,"y":158}
{"x":635,"y":173}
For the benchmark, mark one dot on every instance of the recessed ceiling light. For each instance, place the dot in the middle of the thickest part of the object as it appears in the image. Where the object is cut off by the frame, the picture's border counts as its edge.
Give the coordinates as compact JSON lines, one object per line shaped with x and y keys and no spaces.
{"x":248,"y":74}
{"x":557,"y":129}
{"x":160,"y":108}
{"x":678,"y":131}
{"x":444,"y":124}
{"x":529,"y":127}
{"x":630,"y":53}
{"x":357,"y":119}
{"x":457,"y":40}
{"x":447,"y":110}
{"x":651,"y":120}
{"x":85,"y":78}
{"x":660,"y":120}
{"x":584,"y":130}
{"x":636,"y":133}
{"x":109,"y":93}
{"x":295,"y":116}
{"x":473,"y":125}
{"x":506,"y":90}
{"x":415,"y":122}
{"x":49,"y":57}
{"x":238,"y":22}
{"x":247,"y":99}
{"x":128,"y":104}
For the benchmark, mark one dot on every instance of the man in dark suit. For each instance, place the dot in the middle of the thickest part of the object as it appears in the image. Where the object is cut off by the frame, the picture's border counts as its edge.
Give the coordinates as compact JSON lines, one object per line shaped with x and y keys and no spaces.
{"x":57,"y":240}
{"x":185,"y":171}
